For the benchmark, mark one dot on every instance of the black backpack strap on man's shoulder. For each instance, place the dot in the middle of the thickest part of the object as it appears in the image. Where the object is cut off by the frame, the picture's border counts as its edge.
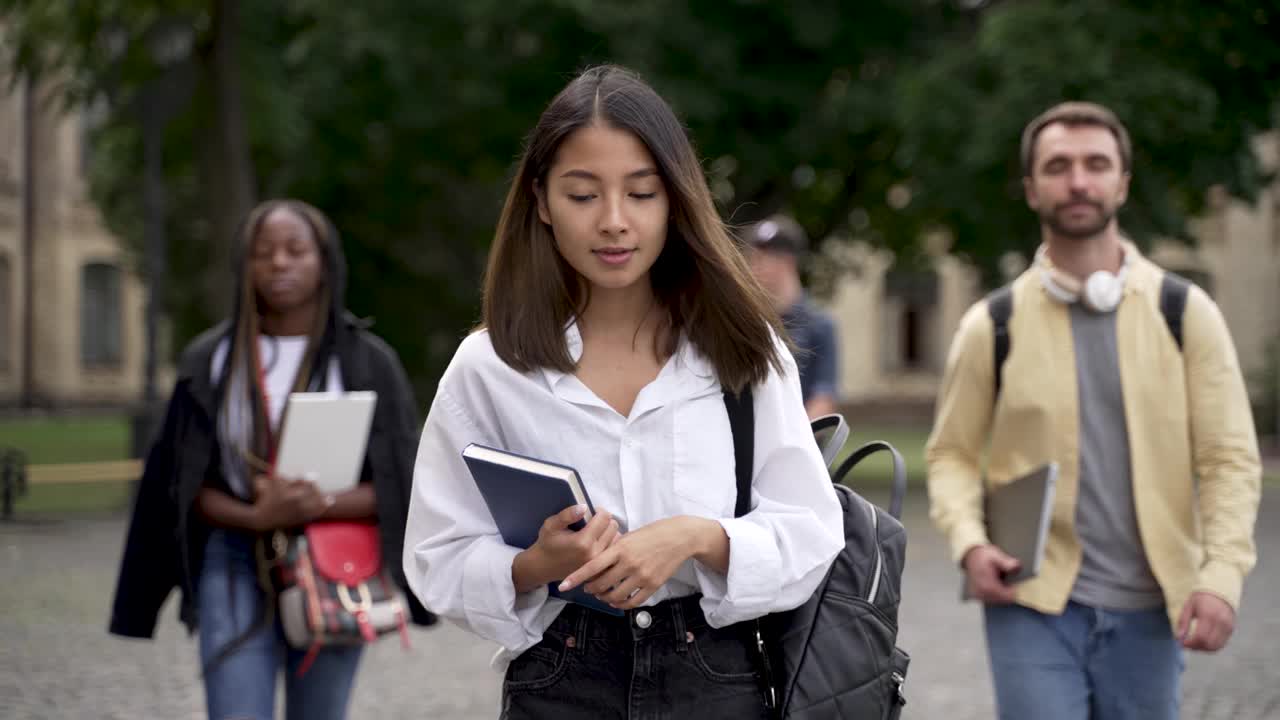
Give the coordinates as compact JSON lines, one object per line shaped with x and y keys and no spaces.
{"x":1173,"y":301}
{"x":742,"y":423}
{"x":1000,"y":308}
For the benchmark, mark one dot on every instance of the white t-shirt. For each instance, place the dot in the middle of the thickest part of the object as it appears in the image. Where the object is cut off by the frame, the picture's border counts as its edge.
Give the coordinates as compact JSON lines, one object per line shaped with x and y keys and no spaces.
{"x":281,"y":355}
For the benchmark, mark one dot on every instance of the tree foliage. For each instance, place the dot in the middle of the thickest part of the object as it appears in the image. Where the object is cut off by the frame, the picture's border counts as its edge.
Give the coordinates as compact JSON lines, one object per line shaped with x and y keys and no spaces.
{"x":877,"y":120}
{"x":1189,"y":80}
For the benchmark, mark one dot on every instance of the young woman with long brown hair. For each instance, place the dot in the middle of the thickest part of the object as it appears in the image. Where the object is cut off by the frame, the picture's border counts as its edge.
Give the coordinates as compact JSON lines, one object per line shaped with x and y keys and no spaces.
{"x":616,"y":308}
{"x":203,"y":504}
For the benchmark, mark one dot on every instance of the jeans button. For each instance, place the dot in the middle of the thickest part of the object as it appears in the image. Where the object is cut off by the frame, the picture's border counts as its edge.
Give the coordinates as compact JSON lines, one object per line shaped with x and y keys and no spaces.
{"x":643,"y":619}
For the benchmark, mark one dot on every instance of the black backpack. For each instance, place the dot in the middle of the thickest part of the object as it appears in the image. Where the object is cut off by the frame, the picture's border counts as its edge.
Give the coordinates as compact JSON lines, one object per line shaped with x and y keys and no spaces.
{"x":1173,"y":301}
{"x":835,"y":656}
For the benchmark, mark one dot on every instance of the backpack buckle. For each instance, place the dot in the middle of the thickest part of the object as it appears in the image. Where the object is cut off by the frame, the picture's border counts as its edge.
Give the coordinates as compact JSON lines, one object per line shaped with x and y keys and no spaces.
{"x":766,"y":673}
{"x":350,"y":604}
{"x":898,"y":682}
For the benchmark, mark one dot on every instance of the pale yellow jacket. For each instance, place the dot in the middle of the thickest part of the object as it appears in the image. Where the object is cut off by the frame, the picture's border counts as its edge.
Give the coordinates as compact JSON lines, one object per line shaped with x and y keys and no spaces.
{"x":1194,"y":454}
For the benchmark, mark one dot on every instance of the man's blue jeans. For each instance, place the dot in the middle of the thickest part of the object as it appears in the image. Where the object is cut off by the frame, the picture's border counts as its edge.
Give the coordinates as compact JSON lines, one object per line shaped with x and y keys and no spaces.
{"x":1085,"y":664}
{"x":243,"y":685}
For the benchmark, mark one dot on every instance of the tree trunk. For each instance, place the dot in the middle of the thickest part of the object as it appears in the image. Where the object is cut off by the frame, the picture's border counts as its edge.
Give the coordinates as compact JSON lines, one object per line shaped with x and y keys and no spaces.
{"x":227,"y":163}
{"x":153,"y":201}
{"x":28,"y":269}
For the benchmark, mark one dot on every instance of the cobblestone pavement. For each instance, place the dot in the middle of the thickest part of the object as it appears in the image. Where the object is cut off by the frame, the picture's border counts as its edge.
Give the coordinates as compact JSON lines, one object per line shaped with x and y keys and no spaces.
{"x":56,"y":660}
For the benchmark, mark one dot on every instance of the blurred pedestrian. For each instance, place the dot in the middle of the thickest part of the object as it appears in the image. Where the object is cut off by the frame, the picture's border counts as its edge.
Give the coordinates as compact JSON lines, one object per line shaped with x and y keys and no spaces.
{"x":778,"y":246}
{"x":203,"y":506}
{"x":1127,"y":377}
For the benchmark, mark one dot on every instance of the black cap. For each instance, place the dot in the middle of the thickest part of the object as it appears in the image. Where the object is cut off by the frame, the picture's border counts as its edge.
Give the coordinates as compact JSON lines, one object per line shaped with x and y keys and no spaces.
{"x":779,"y":233}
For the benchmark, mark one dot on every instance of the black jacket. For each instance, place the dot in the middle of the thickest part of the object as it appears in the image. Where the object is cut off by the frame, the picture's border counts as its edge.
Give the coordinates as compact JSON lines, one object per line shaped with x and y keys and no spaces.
{"x":165,"y":544}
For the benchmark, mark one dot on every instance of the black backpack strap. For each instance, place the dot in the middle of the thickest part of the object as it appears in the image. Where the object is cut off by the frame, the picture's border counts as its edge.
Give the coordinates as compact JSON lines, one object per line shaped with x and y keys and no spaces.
{"x":742,"y":423}
{"x":1173,"y":301}
{"x":899,"y":492}
{"x":1000,"y":308}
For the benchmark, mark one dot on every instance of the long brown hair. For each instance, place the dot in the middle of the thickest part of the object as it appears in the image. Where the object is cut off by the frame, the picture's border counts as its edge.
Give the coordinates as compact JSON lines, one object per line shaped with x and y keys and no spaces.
{"x":700,"y":280}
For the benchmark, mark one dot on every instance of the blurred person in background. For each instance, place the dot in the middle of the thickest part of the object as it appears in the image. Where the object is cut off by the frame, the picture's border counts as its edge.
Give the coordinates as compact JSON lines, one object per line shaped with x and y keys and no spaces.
{"x":777,"y":247}
{"x":203,"y":504}
{"x":1145,"y":412}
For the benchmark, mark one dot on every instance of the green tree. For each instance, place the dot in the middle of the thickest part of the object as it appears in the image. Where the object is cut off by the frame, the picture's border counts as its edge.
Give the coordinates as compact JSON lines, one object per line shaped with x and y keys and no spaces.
{"x":1193,"y":82}
{"x":107,"y":55}
{"x":879,"y":120}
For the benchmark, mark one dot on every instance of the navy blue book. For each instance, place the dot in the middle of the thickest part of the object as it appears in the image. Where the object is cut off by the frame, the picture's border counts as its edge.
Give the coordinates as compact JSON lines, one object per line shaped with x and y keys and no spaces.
{"x":522,"y":493}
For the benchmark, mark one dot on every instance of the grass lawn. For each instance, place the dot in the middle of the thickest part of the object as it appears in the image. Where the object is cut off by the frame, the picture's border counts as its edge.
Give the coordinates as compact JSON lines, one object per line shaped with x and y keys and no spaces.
{"x":878,"y":469}
{"x":65,"y":440}
{"x":70,"y":440}
{"x":73,"y":498}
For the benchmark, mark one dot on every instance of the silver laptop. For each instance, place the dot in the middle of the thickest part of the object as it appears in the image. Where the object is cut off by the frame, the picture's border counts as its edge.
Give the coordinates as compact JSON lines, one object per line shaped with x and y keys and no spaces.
{"x":323,"y":438}
{"x":1018,"y":516}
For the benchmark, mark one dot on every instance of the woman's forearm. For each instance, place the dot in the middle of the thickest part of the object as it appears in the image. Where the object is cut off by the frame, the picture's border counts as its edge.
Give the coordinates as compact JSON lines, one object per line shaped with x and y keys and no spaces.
{"x":528,"y":571}
{"x":711,"y":545}
{"x":359,"y":503}
{"x":222,"y":510}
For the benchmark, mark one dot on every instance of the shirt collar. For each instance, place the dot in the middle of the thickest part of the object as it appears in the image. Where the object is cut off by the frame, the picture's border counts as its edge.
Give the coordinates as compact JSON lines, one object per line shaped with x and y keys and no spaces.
{"x":687,"y":357}
{"x":572,"y":343}
{"x":690,"y":357}
{"x":1138,"y":278}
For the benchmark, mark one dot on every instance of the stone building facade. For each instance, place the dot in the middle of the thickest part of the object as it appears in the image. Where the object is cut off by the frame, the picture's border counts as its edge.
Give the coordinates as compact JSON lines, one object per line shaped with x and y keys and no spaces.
{"x":71,"y":305}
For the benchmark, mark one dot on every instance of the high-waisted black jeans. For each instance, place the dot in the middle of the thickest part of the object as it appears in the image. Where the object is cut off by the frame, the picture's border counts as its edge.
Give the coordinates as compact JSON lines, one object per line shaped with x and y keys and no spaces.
{"x":657,"y":663}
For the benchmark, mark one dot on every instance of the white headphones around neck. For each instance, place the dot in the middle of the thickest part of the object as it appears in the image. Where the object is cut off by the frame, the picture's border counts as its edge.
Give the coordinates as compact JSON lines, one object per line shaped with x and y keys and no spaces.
{"x":1100,"y":292}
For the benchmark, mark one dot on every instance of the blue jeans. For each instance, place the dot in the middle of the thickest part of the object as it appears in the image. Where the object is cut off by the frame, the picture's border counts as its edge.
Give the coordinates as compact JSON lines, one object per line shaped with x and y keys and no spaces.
{"x":1085,"y":664}
{"x":243,"y":684}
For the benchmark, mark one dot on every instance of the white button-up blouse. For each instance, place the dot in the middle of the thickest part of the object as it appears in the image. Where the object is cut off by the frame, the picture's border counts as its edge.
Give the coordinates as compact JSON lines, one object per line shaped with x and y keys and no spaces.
{"x":673,"y":455}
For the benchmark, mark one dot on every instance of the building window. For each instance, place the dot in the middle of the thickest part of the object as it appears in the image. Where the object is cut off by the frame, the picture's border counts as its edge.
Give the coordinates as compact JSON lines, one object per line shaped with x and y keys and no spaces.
{"x":912,"y":342}
{"x":911,"y":306}
{"x":7,"y":305}
{"x":100,"y":331}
